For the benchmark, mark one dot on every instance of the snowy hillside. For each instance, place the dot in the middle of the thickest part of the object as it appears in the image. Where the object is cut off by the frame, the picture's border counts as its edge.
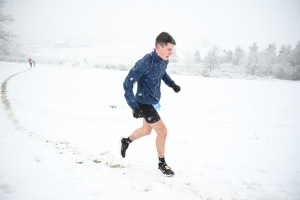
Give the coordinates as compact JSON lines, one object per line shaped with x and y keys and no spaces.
{"x":228,"y":139}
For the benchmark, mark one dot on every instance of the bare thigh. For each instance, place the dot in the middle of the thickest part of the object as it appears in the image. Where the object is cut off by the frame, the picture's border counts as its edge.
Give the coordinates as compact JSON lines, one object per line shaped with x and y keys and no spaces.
{"x":146,"y":128}
{"x":160,"y":128}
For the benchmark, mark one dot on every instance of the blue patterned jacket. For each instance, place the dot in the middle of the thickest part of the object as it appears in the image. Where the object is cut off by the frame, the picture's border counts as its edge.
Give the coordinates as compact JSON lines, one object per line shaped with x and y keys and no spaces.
{"x":148,"y":73}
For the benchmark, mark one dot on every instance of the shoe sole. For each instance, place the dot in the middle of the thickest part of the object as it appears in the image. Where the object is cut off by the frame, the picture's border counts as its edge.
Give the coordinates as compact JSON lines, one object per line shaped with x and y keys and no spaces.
{"x":120,"y":144}
{"x":165,"y":175}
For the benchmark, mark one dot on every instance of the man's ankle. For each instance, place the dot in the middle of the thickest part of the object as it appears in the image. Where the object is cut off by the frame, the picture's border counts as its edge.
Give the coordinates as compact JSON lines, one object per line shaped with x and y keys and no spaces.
{"x":128,"y":141}
{"x":161,"y":161}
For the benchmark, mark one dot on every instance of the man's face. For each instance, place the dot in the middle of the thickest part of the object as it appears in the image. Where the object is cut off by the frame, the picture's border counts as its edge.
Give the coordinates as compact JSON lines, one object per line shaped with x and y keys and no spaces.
{"x":166,"y":51}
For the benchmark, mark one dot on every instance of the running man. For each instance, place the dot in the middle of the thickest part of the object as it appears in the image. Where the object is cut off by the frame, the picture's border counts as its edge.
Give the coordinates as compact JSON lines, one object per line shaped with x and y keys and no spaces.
{"x":148,"y":73}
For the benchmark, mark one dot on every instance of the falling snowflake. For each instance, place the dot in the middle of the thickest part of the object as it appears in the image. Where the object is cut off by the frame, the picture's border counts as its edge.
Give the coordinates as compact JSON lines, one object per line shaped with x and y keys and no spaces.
{"x":140,"y":94}
{"x":131,"y":79}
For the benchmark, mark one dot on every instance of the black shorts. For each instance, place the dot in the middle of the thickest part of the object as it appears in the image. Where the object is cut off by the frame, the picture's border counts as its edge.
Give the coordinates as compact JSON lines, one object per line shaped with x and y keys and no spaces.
{"x":149,"y":113}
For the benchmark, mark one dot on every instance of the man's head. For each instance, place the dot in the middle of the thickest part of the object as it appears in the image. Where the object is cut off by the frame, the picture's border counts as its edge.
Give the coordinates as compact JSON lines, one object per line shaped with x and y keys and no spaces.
{"x":164,"y":45}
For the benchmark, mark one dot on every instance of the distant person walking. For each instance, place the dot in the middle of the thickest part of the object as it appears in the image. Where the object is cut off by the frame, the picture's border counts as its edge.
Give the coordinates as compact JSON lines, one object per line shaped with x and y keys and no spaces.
{"x":30,"y":62}
{"x":148,"y":73}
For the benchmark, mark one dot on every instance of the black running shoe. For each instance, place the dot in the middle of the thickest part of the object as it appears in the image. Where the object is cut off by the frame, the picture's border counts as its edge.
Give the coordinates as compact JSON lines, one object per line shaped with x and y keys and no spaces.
{"x":124,"y":146}
{"x":165,"y":169}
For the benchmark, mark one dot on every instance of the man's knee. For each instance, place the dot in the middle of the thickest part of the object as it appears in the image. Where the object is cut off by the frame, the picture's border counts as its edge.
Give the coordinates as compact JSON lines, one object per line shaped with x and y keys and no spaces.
{"x":164,"y":132}
{"x":147,"y":131}
{"x":161,"y":129}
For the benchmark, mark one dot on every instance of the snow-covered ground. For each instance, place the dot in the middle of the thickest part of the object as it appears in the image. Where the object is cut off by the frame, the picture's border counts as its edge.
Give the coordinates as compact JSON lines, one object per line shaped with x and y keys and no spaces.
{"x":228,"y":139}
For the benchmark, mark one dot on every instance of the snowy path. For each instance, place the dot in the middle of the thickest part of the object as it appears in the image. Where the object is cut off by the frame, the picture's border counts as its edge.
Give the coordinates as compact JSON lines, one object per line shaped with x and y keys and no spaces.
{"x":228,"y":139}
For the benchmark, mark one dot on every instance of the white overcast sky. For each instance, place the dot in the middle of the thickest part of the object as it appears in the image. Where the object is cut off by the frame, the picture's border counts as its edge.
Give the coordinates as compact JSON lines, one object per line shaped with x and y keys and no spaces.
{"x":226,"y":23}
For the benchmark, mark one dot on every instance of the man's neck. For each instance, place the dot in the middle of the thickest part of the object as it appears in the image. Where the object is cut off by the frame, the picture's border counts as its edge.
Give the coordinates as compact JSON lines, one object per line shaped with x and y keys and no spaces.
{"x":158,"y":54}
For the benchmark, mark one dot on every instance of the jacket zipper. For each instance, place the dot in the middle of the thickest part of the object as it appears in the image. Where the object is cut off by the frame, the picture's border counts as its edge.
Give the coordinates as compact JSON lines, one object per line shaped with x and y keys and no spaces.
{"x":158,"y":81}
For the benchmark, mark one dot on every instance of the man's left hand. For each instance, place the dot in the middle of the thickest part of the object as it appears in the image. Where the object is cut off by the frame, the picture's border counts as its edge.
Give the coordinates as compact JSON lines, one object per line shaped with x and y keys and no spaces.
{"x":175,"y":87}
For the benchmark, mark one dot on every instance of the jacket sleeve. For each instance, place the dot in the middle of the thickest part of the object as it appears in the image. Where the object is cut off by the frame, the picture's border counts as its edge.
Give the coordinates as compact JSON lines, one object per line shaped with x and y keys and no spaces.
{"x":133,"y":76}
{"x":167,"y":79}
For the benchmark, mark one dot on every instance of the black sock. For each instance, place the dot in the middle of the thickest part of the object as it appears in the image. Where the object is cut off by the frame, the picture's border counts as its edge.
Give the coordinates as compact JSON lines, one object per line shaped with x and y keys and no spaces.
{"x":128,"y":140}
{"x":161,"y":160}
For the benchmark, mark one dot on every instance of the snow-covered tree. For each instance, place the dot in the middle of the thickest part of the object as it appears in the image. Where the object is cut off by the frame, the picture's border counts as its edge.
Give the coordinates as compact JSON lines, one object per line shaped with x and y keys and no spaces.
{"x":211,"y":61}
{"x":285,"y":56}
{"x":174,"y":57}
{"x":188,"y":59}
{"x":296,"y":62}
{"x":268,"y":60}
{"x":283,"y":62}
{"x":296,"y":55}
{"x":252,"y":64}
{"x":238,"y":56}
{"x":197,"y":58}
{"x":226,"y":56}
{"x":286,"y":64}
{"x":5,"y":36}
{"x":253,"y":48}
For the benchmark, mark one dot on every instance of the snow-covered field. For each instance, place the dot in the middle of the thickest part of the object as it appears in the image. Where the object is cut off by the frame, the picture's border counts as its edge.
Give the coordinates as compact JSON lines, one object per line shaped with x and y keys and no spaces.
{"x":228,"y":139}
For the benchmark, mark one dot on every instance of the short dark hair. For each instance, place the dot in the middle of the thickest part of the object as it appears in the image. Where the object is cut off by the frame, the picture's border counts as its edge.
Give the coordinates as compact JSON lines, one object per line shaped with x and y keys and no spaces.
{"x":164,"y":38}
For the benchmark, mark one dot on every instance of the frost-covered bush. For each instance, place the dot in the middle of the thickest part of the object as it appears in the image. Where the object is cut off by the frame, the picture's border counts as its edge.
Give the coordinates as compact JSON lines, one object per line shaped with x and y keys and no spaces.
{"x":205,"y":72}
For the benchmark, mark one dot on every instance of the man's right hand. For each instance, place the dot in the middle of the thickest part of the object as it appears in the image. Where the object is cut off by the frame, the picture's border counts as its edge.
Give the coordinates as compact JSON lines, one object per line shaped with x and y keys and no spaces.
{"x":137,"y":113}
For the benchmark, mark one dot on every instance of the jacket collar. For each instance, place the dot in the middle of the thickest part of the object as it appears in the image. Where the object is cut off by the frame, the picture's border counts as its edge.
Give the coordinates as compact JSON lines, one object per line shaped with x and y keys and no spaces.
{"x":157,"y":57}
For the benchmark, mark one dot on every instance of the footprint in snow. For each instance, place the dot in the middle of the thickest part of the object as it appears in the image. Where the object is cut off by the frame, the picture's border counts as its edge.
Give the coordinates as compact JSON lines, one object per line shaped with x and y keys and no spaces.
{"x":7,"y":188}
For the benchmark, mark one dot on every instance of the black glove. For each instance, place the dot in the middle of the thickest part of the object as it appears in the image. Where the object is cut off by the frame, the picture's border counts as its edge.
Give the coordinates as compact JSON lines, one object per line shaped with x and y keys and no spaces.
{"x":137,"y":113}
{"x":175,"y":87}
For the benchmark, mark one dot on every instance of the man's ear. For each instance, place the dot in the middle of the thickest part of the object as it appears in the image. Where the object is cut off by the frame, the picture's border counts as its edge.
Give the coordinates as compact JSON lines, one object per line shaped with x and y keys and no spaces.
{"x":158,"y":46}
